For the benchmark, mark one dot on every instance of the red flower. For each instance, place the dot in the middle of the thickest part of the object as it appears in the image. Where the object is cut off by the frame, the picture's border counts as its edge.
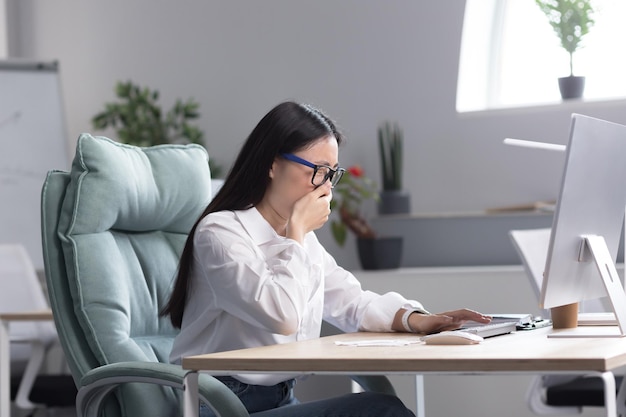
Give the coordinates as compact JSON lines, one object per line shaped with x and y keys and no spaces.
{"x":348,"y":196}
{"x":356,"y":171}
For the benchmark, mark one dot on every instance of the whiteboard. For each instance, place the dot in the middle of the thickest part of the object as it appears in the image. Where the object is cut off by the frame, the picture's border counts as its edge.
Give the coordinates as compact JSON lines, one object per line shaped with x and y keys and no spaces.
{"x":32,"y":142}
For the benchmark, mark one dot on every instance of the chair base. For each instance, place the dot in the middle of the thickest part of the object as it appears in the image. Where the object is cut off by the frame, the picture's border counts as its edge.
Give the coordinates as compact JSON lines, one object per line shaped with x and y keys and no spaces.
{"x":581,"y":392}
{"x":49,"y":390}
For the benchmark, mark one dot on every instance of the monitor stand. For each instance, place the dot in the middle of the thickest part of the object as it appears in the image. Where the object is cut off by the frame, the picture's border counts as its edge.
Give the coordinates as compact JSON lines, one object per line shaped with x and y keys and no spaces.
{"x":595,"y":247}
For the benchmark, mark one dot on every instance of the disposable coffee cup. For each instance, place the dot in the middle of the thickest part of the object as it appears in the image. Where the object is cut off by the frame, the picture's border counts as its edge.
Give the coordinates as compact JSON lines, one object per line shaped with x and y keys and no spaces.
{"x":565,"y":317}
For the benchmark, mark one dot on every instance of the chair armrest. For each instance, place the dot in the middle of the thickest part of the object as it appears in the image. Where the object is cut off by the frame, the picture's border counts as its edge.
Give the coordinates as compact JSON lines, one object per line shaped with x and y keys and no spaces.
{"x":99,"y":382}
{"x":374,"y":383}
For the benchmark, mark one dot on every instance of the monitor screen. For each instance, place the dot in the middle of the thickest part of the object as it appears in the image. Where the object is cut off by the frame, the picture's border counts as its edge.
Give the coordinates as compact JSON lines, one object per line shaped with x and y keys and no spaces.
{"x":591,"y":202}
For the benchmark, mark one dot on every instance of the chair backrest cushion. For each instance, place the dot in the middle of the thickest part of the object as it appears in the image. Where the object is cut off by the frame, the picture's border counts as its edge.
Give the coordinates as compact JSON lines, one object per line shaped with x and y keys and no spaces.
{"x":124,"y":221}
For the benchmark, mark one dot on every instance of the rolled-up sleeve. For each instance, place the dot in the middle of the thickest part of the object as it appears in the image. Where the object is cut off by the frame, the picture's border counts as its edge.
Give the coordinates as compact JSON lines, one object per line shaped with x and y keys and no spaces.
{"x":350,"y":308}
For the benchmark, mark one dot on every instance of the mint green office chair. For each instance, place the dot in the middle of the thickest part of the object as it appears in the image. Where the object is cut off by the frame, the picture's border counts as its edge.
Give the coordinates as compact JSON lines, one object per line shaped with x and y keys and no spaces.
{"x":113,"y":229}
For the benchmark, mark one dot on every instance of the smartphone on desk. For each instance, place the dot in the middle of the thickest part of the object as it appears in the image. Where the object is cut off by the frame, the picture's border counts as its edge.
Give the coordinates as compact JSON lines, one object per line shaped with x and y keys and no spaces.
{"x":535,"y":323}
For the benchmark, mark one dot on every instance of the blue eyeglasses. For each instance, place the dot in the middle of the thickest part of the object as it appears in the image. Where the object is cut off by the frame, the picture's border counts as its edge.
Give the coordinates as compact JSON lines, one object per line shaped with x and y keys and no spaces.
{"x":321,"y":173}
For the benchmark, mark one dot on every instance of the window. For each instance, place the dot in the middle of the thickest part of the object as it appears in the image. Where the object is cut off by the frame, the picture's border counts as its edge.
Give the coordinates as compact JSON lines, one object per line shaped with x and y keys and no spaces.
{"x":510,"y":56}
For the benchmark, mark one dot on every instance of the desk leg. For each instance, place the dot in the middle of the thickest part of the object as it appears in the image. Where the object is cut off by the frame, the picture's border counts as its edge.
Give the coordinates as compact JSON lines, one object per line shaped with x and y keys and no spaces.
{"x":609,"y":394}
{"x":419,"y":396}
{"x":5,"y":370}
{"x":621,"y":399}
{"x":190,"y":396}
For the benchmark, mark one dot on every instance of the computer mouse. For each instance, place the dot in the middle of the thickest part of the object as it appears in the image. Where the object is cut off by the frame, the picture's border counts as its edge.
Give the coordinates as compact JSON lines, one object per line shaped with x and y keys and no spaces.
{"x":454,"y":337}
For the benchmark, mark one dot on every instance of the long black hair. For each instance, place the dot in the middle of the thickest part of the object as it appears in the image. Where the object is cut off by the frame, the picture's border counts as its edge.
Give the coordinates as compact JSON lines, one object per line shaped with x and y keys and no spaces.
{"x":287,"y":128}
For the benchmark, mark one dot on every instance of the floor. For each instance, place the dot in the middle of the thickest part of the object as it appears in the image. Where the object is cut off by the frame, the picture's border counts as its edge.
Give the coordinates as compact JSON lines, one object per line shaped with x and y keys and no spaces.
{"x":42,"y":412}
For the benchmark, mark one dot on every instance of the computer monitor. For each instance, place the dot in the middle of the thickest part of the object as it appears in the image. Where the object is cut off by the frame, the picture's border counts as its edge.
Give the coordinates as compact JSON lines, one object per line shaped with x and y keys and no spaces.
{"x":588,"y":222}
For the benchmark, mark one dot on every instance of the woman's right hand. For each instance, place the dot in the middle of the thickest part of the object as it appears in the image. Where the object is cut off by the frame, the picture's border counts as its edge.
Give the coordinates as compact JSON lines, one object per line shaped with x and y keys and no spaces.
{"x":310,"y":212}
{"x":449,"y":320}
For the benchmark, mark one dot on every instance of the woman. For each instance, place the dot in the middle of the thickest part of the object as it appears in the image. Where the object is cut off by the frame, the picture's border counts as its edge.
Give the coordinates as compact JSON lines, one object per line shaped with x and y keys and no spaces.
{"x":253,"y":272}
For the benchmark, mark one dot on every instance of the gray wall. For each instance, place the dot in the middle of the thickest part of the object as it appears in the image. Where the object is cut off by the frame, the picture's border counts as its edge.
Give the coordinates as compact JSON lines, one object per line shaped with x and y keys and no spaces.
{"x":362,"y":61}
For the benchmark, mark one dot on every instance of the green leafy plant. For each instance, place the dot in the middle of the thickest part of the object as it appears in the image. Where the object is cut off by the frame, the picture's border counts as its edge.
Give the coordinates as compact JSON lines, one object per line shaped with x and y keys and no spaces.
{"x":348,"y":197}
{"x":571,"y":20}
{"x":390,"y":142}
{"x":138,"y":119}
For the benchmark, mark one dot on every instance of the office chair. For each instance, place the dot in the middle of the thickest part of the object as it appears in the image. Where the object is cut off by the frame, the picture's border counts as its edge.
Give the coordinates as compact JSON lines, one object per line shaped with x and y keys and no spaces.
{"x":113,"y":229}
{"x":555,"y":394}
{"x":30,"y":341}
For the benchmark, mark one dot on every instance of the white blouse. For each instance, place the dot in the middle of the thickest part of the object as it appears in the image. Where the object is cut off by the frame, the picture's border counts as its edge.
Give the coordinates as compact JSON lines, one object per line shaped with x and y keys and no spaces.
{"x":251,"y":287}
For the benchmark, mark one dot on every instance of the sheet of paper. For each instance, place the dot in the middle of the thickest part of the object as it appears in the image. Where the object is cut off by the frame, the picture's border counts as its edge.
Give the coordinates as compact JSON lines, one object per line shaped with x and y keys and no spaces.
{"x":379,"y":342}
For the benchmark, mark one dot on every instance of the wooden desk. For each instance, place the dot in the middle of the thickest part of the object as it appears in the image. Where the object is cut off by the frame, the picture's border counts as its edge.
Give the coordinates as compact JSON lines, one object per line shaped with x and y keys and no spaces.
{"x":5,"y":352}
{"x":528,"y":352}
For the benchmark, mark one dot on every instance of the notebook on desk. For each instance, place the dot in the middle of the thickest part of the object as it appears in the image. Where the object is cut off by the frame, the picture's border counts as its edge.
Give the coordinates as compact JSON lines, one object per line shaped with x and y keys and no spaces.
{"x":597,"y":319}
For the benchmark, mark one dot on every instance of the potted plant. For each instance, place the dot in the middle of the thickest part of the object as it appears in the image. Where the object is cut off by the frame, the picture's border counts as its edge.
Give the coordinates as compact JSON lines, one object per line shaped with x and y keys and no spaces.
{"x":393,"y":199}
{"x":571,"y":20}
{"x":375,"y":252}
{"x":138,"y":119}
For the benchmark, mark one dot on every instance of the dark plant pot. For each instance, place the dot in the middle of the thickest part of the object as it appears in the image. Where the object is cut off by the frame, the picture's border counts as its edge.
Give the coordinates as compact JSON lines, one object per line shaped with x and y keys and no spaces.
{"x":380,"y":252}
{"x":394,"y":202}
{"x":571,"y":87}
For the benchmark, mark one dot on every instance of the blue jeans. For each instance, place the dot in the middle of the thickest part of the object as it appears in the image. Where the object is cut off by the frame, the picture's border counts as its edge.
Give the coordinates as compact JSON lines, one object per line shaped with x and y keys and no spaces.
{"x":278,"y":401}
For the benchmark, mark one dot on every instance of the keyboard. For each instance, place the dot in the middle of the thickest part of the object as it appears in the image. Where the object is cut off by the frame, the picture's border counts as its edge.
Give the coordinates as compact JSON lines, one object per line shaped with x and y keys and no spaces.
{"x":491,"y":329}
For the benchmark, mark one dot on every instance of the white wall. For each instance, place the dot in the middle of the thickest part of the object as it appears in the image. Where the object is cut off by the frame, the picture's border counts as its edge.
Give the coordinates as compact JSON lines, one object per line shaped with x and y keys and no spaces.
{"x":361,"y":61}
{"x":4,"y":43}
